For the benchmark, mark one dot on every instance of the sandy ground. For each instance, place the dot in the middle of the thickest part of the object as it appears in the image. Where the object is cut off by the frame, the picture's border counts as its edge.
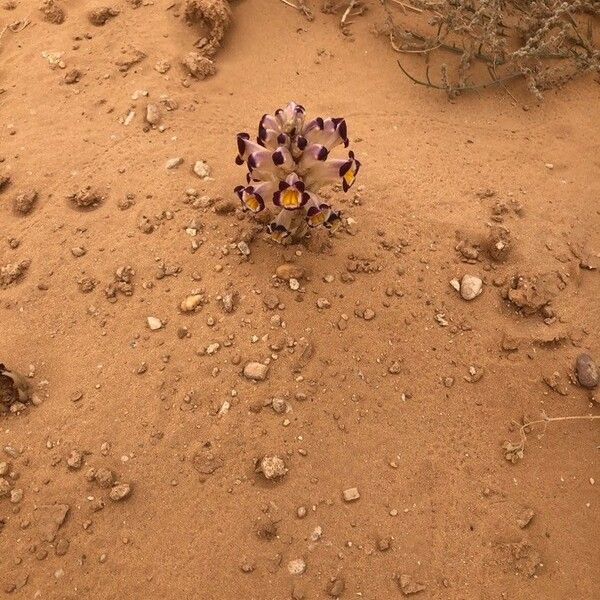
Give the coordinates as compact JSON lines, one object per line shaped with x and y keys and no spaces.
{"x":411,"y":407}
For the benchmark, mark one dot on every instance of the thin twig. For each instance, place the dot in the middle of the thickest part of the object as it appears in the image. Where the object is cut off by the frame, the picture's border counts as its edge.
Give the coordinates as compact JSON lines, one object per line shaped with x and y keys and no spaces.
{"x":347,"y":12}
{"x":478,"y":86}
{"x":546,"y":420}
{"x":409,"y":6}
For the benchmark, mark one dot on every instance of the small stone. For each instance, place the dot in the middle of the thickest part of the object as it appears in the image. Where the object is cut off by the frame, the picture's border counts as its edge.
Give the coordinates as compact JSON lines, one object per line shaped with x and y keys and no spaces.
{"x":587,"y":371}
{"x":4,"y":469}
{"x":75,"y":460}
{"x":384,"y":544}
{"x":316,"y":534}
{"x":4,"y":487}
{"x":199,"y":66}
{"x":78,"y":251}
{"x":173,"y":163}
{"x":369,"y":314}
{"x":162,"y":66}
{"x":99,"y":16}
{"x":525,"y":518}
{"x":154,"y":323}
{"x":336,"y":587}
{"x":120,"y":492}
{"x":61,"y":547}
{"x":279,"y":405}
{"x":104,"y":477}
{"x":202,"y":169}
{"x":351,"y":494}
{"x":191,"y":303}
{"x":244,"y":248}
{"x":470,"y":287}
{"x":72,"y":76}
{"x":153,"y":114}
{"x":271,"y":301}
{"x":289,"y":271}
{"x":301,"y":512}
{"x":296,"y":566}
{"x":16,"y":496}
{"x":323,"y":303}
{"x":294,"y":284}
{"x":24,"y":203}
{"x":409,"y":586}
{"x":256,"y":371}
{"x":272,"y":467}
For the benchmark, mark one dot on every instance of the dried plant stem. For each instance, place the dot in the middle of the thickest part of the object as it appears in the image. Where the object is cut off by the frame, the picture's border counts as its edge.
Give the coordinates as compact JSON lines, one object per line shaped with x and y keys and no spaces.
{"x":347,"y":12}
{"x":523,"y":428}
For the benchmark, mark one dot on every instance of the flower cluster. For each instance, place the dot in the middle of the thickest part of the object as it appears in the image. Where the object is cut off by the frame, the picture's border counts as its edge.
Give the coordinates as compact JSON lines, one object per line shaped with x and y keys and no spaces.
{"x":288,"y":164}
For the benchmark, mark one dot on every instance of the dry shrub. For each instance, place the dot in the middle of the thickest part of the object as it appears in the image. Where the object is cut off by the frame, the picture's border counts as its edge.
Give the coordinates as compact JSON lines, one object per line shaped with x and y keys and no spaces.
{"x":546,"y":42}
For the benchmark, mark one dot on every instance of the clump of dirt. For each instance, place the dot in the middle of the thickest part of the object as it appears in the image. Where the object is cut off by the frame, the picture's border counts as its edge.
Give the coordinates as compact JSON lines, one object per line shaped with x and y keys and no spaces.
{"x":213,"y":17}
{"x":199,"y":66}
{"x":12,"y":272}
{"x":122,"y":284}
{"x":14,"y":389}
{"x":23,"y":203}
{"x":99,"y":16}
{"x":533,"y":294}
{"x":498,"y":244}
{"x":53,"y":12}
{"x":86,"y":198}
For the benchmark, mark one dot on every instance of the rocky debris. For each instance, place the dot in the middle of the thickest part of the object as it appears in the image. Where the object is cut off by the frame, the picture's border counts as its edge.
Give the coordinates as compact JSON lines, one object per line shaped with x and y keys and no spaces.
{"x":154,"y":323}
{"x":336,"y":588}
{"x":152,"y":114}
{"x":49,"y":519}
{"x":256,"y":371}
{"x":14,"y":390}
{"x":5,"y":487}
{"x":12,"y":272}
{"x":279,"y":405}
{"x":408,"y":586}
{"x":555,"y":382}
{"x":104,"y":477}
{"x":213,"y":18}
{"x":202,"y":169}
{"x":120,"y":492}
{"x":296,"y":566}
{"x":75,"y":460}
{"x":587,"y":371}
{"x":86,"y":198}
{"x":289,"y":271}
{"x":198,"y":66}
{"x":72,"y":76}
{"x":191,"y":303}
{"x":498,"y":243}
{"x":384,"y":544}
{"x":351,"y":494}
{"x":162,"y":67}
{"x":323,"y":303}
{"x":272,"y":467}
{"x":513,"y":453}
{"x":525,"y":517}
{"x":470,"y":287}
{"x":99,"y":16}
{"x":271,"y":301}
{"x":173,"y":163}
{"x":228,"y":301}
{"x":533,"y":294}
{"x":130,"y":57}
{"x":23,"y":203}
{"x":52,"y":12}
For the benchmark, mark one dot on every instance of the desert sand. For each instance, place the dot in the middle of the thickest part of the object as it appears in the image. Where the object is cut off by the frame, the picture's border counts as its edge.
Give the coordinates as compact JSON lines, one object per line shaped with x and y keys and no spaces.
{"x":133,"y":470}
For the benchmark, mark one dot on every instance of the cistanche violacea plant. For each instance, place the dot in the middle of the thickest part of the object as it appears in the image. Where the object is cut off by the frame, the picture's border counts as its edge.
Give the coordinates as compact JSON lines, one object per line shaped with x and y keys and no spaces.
{"x":288,"y":164}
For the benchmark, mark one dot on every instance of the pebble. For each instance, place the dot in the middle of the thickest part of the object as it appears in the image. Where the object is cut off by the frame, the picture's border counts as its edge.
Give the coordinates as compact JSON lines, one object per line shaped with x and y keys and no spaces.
{"x":323,"y":303}
{"x":256,"y":371}
{"x":271,"y":301}
{"x":294,"y":284}
{"x":525,"y":518}
{"x":351,"y":494}
{"x":75,"y":460}
{"x":272,"y":467}
{"x":279,"y":405}
{"x":191,"y":303}
{"x":289,"y":271}
{"x":244,"y":248}
{"x":154,"y":323}
{"x":202,"y":169}
{"x":296,"y":566}
{"x":409,"y":586}
{"x":173,"y":163}
{"x":301,"y":512}
{"x":4,"y":468}
{"x":152,"y":114}
{"x":120,"y":492}
{"x":470,"y":287}
{"x":369,"y":314}
{"x":587,"y":371}
{"x":336,"y":588}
